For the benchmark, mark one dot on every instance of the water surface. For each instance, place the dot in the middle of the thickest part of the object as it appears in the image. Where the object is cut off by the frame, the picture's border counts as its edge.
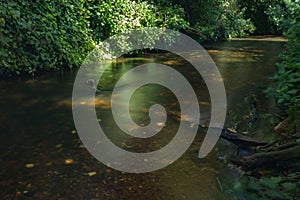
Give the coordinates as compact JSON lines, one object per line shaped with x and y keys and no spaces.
{"x":42,"y":156}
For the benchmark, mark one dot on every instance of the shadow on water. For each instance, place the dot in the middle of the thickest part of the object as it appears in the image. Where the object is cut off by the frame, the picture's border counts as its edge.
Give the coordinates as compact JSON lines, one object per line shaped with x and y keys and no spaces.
{"x":42,"y":156}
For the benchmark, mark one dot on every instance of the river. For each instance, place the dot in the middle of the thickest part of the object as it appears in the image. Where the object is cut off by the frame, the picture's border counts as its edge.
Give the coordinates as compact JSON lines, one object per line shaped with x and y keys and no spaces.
{"x":42,"y":156}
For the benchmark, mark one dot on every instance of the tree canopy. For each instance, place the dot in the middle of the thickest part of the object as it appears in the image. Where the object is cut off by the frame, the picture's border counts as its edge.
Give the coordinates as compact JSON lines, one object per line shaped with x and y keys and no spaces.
{"x":51,"y":35}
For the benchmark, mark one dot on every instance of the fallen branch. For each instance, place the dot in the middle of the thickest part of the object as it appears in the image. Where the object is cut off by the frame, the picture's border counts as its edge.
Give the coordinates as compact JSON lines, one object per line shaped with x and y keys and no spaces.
{"x":269,"y":158}
{"x":278,"y":148}
{"x":241,"y":140}
{"x":238,"y":139}
{"x":269,"y":153}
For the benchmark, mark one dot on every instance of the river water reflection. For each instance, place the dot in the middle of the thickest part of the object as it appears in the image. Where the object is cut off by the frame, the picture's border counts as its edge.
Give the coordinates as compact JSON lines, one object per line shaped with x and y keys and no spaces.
{"x":43,"y":158}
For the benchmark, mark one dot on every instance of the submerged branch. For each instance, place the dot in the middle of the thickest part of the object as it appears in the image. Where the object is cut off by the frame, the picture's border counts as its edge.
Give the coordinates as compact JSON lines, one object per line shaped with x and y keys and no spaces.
{"x":269,"y":158}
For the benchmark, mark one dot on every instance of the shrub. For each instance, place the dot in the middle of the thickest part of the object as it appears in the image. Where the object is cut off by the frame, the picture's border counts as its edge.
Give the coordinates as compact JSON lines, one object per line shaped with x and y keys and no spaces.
{"x":217,"y":19}
{"x":42,"y":35}
{"x":51,"y":35}
{"x":286,"y":89}
{"x":269,"y":16}
{"x":111,"y":17}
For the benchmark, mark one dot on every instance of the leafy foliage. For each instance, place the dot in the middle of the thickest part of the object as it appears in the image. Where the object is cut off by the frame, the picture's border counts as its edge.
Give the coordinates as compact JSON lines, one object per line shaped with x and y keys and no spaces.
{"x":275,"y":187}
{"x":269,"y":16}
{"x":51,"y":35}
{"x":286,"y":90}
{"x":42,"y":35}
{"x":217,"y":19}
{"x":55,"y":34}
{"x":111,"y":17}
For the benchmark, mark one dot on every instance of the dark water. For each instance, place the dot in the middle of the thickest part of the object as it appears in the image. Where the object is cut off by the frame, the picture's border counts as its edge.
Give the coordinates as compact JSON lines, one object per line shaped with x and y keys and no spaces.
{"x":42,"y":156}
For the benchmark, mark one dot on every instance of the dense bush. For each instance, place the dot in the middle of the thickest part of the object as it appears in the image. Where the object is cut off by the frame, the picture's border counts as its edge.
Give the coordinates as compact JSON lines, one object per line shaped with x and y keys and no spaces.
{"x":228,"y":23}
{"x":269,"y":16}
{"x":217,"y":19}
{"x":286,"y":90}
{"x":42,"y":35}
{"x":48,"y":34}
{"x":116,"y":16}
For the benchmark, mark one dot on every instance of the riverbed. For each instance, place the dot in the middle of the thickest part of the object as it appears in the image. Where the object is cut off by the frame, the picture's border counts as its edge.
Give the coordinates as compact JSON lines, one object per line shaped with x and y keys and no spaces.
{"x":42,"y":156}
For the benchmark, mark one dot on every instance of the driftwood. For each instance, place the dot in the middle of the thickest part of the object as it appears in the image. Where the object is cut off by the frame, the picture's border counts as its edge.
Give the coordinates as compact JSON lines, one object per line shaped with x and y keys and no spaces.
{"x":265,"y":159}
{"x":262,"y":153}
{"x":241,"y":140}
{"x":268,"y":148}
{"x":270,"y":155}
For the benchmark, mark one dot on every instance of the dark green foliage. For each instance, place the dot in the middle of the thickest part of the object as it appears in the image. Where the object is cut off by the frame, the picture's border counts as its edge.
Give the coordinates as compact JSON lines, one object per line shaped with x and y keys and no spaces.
{"x":42,"y":35}
{"x":49,"y":34}
{"x":111,"y":17}
{"x":286,"y":90}
{"x":274,"y":187}
{"x":217,"y":19}
{"x":269,"y":16}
